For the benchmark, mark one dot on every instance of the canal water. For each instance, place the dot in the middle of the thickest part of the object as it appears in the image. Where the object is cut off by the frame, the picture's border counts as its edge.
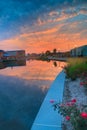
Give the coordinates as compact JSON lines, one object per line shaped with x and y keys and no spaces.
{"x":23,"y":86}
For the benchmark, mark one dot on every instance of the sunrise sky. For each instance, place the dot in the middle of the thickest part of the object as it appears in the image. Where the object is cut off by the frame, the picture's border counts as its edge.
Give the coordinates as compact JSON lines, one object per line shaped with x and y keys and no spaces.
{"x":40,"y":25}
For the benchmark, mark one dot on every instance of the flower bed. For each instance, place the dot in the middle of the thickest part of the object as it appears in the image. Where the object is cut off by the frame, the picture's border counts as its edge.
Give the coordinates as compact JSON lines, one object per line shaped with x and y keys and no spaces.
{"x":74,"y":105}
{"x":77,"y":115}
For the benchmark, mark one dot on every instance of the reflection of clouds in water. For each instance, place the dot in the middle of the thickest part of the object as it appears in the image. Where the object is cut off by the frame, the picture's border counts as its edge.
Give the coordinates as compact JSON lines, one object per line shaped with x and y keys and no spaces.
{"x":19,"y":101}
{"x":44,"y":87}
{"x":36,"y":70}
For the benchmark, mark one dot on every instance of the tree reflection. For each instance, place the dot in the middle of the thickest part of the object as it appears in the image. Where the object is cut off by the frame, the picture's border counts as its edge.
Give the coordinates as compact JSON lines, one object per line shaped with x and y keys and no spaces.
{"x":55,"y":63}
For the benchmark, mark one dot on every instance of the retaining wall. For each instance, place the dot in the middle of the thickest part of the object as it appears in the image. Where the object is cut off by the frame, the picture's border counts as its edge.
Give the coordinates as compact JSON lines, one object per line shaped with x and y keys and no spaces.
{"x":47,"y":118}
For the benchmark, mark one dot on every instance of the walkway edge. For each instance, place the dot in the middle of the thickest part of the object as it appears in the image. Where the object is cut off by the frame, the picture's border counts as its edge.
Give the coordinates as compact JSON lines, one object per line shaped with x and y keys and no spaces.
{"x":47,"y":118}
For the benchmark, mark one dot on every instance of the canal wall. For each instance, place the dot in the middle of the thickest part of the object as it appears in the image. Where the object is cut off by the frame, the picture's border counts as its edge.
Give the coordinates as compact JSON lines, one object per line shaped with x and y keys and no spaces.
{"x":47,"y":118}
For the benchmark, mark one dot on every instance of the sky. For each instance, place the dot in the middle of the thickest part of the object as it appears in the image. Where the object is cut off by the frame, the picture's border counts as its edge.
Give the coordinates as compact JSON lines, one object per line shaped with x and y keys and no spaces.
{"x":40,"y":25}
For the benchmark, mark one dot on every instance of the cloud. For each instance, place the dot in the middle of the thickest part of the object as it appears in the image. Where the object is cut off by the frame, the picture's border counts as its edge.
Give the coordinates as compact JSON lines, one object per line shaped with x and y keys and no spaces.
{"x":53,"y":13}
{"x":74,"y":28}
{"x":83,"y":11}
{"x":17,"y":13}
{"x":36,"y":25}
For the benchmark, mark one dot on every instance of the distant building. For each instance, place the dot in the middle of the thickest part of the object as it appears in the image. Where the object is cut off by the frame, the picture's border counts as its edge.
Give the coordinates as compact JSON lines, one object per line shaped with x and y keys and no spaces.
{"x":14,"y":55}
{"x":1,"y":54}
{"x":79,"y":51}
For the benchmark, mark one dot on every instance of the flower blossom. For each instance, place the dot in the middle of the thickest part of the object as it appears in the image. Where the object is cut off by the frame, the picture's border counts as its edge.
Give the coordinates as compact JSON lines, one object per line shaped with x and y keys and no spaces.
{"x":81,"y":83}
{"x":84,"y":115}
{"x":73,"y":100}
{"x":67,"y":118}
{"x":69,"y":104}
{"x":52,"y":101}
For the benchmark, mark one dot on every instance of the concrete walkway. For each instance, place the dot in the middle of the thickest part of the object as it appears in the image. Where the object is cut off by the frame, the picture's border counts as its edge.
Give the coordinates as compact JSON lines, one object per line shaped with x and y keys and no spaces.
{"x":47,"y":118}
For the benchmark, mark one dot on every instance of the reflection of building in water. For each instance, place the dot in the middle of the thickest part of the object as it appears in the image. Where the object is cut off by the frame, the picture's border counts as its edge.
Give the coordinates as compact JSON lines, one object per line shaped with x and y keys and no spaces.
{"x":2,"y":66}
{"x":14,"y":55}
{"x":12,"y":64}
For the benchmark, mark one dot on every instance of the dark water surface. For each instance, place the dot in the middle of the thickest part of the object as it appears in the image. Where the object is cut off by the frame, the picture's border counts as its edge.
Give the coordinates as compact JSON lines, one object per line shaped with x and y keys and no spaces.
{"x":23,"y":87}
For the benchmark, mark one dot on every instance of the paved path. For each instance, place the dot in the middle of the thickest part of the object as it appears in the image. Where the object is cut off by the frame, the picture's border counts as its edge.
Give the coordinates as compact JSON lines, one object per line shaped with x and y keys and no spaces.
{"x":47,"y":118}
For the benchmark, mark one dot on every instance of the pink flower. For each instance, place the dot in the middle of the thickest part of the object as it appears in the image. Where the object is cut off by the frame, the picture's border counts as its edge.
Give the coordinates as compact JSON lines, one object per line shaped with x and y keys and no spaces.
{"x":52,"y":101}
{"x":72,"y":103}
{"x":67,"y":118}
{"x":69,"y":104}
{"x":81,"y":83}
{"x":73,"y":100}
{"x":84,"y":115}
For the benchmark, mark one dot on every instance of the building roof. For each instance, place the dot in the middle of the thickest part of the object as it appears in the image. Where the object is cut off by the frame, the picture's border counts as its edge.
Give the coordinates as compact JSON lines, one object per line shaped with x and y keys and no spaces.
{"x":85,"y":46}
{"x":80,"y":47}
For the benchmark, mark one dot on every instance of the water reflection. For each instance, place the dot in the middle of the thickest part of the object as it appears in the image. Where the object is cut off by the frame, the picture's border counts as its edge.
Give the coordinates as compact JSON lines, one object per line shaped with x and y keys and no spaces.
{"x":36,"y":70}
{"x":55,"y":63}
{"x":12,"y":63}
{"x":19,"y":102}
{"x":22,"y":90}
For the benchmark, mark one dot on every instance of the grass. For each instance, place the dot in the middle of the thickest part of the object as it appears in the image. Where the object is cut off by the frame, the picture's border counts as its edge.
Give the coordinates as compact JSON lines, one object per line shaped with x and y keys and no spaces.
{"x":75,"y":67}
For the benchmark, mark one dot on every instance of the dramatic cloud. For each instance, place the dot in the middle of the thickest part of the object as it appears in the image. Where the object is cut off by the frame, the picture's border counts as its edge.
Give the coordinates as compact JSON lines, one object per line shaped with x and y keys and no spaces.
{"x":35,"y":21}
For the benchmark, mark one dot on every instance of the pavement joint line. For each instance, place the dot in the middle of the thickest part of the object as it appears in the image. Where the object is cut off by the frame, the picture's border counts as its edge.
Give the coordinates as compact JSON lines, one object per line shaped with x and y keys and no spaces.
{"x":47,"y":125}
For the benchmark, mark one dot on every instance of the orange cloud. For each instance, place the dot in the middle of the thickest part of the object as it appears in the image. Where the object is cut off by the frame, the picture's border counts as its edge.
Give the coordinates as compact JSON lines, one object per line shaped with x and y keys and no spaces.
{"x":52,"y":13}
{"x":60,"y":36}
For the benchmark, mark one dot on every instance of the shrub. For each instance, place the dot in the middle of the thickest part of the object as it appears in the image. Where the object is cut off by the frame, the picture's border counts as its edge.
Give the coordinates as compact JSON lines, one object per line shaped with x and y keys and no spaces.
{"x":77,"y":115}
{"x":75,"y":67}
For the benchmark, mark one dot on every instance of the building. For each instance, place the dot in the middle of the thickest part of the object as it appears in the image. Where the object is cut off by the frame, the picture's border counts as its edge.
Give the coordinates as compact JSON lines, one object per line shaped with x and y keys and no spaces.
{"x":79,"y":51}
{"x":14,"y":55}
{"x":1,"y":54}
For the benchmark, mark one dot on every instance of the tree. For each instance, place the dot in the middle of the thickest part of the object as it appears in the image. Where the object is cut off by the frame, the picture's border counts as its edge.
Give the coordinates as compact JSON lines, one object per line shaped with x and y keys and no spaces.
{"x":54,"y":50}
{"x":47,"y":52}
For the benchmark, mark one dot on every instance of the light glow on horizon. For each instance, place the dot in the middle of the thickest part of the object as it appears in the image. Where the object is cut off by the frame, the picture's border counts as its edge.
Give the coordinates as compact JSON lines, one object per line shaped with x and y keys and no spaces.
{"x":61,"y":26}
